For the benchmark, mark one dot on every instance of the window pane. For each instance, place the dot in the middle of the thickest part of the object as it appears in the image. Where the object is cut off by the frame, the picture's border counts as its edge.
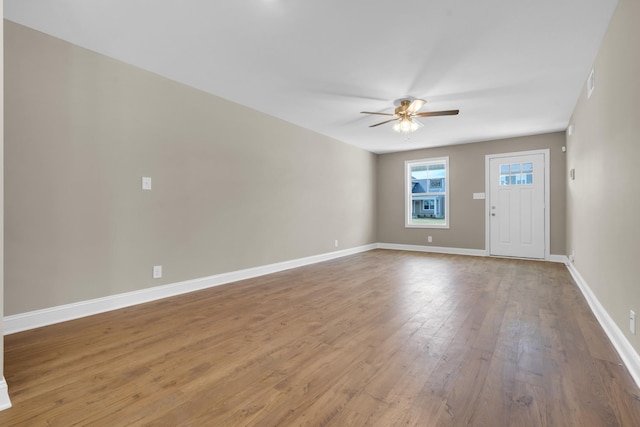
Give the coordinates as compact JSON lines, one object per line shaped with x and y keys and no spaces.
{"x":504,"y":170}
{"x":513,"y":180}
{"x":426,"y":182}
{"x":527,"y":167}
{"x":420,"y":170}
{"x":419,"y":179}
{"x":418,"y":186}
{"x":528,"y":178}
{"x":515,"y":168}
{"x":436,"y":167}
{"x":428,"y":210}
{"x":504,"y":180}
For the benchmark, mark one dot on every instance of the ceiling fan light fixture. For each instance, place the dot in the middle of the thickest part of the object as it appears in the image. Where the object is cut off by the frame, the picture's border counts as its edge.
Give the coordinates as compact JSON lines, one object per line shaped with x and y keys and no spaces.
{"x":406,"y":125}
{"x":406,"y":113}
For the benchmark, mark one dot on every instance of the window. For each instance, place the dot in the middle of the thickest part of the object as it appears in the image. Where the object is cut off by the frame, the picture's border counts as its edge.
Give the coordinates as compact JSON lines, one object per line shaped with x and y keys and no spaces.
{"x":427,"y":193}
{"x":516,"y":174}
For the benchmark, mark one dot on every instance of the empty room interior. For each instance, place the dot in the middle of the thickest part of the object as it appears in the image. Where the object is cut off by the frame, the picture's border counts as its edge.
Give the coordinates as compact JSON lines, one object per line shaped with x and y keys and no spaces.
{"x":280,"y":213}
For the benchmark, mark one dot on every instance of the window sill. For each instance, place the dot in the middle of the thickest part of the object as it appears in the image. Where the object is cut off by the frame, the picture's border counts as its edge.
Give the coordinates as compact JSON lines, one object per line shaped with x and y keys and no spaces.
{"x":444,"y":226}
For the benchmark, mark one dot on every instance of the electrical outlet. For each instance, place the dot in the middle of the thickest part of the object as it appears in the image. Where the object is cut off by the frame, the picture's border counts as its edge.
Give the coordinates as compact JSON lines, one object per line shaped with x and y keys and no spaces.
{"x":430,"y":239}
{"x":157,"y":271}
{"x":632,"y":322}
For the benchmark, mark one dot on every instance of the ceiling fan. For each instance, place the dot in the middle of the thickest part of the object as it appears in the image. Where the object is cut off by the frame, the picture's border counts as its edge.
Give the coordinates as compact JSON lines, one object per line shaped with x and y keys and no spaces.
{"x":405,"y":115}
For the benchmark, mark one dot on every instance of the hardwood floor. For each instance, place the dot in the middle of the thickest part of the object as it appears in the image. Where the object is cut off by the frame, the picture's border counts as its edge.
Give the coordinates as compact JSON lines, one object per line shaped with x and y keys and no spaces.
{"x":382,"y":338}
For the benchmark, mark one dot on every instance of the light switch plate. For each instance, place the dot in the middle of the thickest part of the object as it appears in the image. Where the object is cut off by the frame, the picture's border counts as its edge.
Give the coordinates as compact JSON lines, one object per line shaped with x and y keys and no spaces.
{"x":146,"y":183}
{"x":479,"y":196}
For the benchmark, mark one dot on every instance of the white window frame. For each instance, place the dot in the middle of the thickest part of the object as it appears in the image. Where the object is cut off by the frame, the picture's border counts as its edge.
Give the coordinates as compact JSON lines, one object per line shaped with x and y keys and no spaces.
{"x":408,"y":220}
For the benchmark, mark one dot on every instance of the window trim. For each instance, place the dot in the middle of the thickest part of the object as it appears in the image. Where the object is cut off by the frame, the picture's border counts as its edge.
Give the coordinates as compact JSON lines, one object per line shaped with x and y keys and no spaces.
{"x":408,"y":187}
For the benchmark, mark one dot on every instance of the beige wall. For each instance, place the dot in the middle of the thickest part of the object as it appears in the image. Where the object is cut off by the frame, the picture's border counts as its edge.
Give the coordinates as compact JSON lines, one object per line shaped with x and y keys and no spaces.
{"x":604,"y":200}
{"x":232,"y":188}
{"x":466,"y":176}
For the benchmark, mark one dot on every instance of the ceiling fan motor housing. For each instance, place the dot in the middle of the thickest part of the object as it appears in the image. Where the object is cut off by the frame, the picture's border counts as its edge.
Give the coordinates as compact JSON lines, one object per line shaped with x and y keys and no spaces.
{"x":402,"y":109}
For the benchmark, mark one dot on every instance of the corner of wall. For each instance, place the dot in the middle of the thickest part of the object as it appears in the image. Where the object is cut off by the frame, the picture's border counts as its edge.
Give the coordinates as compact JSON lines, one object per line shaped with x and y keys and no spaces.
{"x":4,"y":389}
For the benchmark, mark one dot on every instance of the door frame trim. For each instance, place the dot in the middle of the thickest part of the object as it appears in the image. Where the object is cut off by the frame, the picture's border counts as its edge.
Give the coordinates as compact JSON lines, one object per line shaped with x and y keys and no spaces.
{"x":547,"y":196}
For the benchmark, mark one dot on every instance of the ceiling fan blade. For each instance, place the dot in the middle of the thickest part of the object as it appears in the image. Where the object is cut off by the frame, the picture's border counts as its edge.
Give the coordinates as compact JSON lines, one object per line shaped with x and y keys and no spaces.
{"x":437,"y":113}
{"x":381,"y":114}
{"x":381,"y":123}
{"x":416,"y":105}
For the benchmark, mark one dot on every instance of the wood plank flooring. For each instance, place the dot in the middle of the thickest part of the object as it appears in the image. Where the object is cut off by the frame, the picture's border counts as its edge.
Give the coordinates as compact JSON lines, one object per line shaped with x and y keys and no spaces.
{"x":382,"y":338}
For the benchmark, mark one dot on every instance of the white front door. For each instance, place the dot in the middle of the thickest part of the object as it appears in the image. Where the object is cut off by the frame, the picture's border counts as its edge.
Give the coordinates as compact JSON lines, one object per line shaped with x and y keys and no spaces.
{"x":517,"y":206}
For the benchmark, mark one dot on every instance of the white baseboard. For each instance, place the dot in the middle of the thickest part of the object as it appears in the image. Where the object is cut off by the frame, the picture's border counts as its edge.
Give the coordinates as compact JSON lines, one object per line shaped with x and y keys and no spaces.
{"x":49,"y":316}
{"x":457,"y":251}
{"x":562,"y":259}
{"x":627,"y":353}
{"x":433,"y":249}
{"x":5,"y":403}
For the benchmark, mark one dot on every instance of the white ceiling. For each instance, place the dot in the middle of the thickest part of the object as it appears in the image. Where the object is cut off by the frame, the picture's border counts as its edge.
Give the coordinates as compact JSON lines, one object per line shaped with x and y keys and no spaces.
{"x":512,"y":67}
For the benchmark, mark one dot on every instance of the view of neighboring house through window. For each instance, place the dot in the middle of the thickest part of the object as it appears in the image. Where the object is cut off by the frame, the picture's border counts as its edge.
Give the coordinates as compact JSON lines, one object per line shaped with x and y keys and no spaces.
{"x":427,"y":193}
{"x":516,"y":174}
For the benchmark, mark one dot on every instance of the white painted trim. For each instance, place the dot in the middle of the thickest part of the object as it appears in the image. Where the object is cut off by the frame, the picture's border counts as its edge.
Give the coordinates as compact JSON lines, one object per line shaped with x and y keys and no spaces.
{"x":547,"y":196}
{"x":432,"y":249}
{"x":5,"y":402}
{"x":627,"y":353}
{"x":562,"y":259}
{"x":49,"y":316}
